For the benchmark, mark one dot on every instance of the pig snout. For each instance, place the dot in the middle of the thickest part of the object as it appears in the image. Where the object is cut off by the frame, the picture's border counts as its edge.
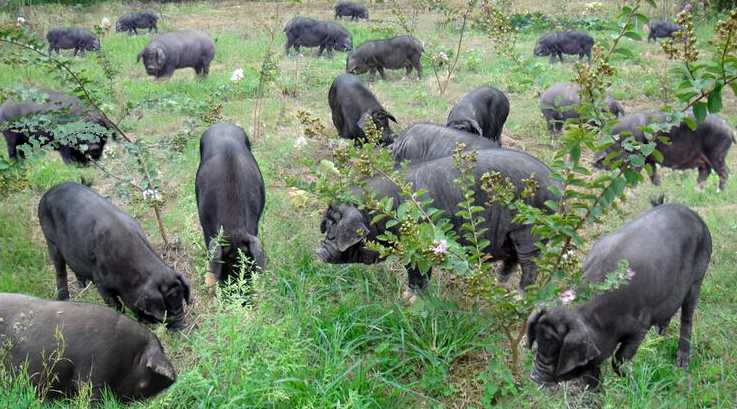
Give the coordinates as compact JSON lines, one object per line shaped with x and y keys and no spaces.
{"x":541,"y":379}
{"x":326,"y":252}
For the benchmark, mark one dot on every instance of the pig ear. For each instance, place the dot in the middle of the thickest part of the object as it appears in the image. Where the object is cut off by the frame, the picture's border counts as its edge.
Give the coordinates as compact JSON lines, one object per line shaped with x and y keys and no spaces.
{"x":532,"y":326}
{"x":387,"y":115}
{"x":161,"y":368}
{"x":476,"y":127}
{"x":215,"y":272}
{"x":151,"y":302}
{"x":578,"y":349}
{"x":350,"y":232}
{"x":185,"y":287}
{"x":160,"y":56}
{"x":256,"y":251}
{"x":363,"y":120}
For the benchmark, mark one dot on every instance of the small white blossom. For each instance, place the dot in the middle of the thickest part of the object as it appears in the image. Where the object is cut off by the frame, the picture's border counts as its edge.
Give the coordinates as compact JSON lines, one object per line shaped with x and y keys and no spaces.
{"x":151,"y":194}
{"x":21,"y":21}
{"x":629,"y":274}
{"x":442,"y":56}
{"x":300,"y":142}
{"x":237,"y":75}
{"x":105,"y":23}
{"x":567,"y":296}
{"x":439,"y":247}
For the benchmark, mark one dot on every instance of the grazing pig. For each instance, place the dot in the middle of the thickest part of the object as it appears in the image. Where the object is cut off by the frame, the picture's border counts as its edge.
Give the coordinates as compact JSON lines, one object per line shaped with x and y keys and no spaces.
{"x":668,"y":250}
{"x":349,"y":9}
{"x":567,"y":42}
{"x":482,"y":111}
{"x":353,"y":105}
{"x":131,"y":22}
{"x":704,"y":148}
{"x":394,"y":53}
{"x":560,"y":103}
{"x":661,"y":29}
{"x":66,"y":346}
{"x":423,"y":142}
{"x":347,"y":228}
{"x":72,"y":38}
{"x":308,"y":32}
{"x":168,"y":52}
{"x":58,"y":108}
{"x":230,"y":197}
{"x":106,"y":246}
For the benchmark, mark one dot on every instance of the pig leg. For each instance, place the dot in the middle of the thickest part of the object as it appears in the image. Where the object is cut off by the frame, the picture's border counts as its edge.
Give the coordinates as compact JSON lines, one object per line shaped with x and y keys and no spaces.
{"x":418,"y":67}
{"x":721,"y":170}
{"x":654,"y":178}
{"x":704,"y":171}
{"x":592,"y":378}
{"x":687,"y":311}
{"x":663,"y":327}
{"x":62,"y":284}
{"x":322,"y":48}
{"x":417,"y":280}
{"x":627,"y":350}
{"x":110,"y":298}
{"x":508,"y":266}
{"x":381,"y":72}
{"x":524,"y":245}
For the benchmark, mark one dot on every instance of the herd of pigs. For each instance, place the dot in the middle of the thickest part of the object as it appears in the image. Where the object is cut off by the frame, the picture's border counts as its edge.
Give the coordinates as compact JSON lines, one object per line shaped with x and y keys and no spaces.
{"x":668,"y":247}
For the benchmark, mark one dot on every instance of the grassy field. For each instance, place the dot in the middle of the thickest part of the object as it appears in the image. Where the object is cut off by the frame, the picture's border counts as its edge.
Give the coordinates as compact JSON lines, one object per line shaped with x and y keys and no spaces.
{"x":323,"y":336}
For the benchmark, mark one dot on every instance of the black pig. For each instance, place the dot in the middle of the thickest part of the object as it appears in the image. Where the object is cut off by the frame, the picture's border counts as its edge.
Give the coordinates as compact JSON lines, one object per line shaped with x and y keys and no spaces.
{"x":68,"y":345}
{"x":394,"y":53}
{"x":230,"y":196}
{"x":72,"y":38}
{"x":353,"y":105}
{"x":668,"y":250}
{"x":661,"y":29}
{"x":59,"y":109}
{"x":308,"y":32}
{"x":347,"y":228}
{"x":567,"y":42}
{"x":131,"y":22}
{"x":482,"y":111}
{"x":106,"y":246}
{"x":424,"y":141}
{"x":560,"y":103}
{"x":168,"y":52}
{"x":349,"y":9}
{"x":704,"y":148}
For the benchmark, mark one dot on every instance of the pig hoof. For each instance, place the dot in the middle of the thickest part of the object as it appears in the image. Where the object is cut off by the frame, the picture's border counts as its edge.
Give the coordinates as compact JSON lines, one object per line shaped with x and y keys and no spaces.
{"x":409,"y":296}
{"x":682,"y":360}
{"x":62,"y":295}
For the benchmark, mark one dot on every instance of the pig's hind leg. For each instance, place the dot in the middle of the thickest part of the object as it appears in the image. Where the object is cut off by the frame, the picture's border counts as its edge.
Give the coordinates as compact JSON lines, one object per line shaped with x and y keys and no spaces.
{"x":627,"y":349}
{"x":62,"y":285}
{"x":687,"y":311}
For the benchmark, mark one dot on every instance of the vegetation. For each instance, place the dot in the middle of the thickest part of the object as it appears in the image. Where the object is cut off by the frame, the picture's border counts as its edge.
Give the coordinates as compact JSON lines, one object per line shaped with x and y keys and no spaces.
{"x":339,"y":336}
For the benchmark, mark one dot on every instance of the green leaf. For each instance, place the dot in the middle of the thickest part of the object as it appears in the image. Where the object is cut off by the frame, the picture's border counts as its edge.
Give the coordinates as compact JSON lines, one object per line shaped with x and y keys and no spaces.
{"x":699,"y":111}
{"x":690,"y":123}
{"x":626,"y":52}
{"x":715,"y":99}
{"x":633,"y":35}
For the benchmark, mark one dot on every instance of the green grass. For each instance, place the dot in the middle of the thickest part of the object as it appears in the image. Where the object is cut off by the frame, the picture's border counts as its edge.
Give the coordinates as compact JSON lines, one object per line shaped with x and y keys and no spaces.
{"x":322,"y":336}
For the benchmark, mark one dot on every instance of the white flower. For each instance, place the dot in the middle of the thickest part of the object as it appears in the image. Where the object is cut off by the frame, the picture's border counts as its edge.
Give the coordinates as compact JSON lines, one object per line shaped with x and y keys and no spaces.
{"x":442,"y":56}
{"x":21,"y":21}
{"x":300,"y":142}
{"x":440,"y":247}
{"x":567,"y":296}
{"x":629,"y":274}
{"x":237,"y":75}
{"x":105,"y":23}
{"x":151,"y":194}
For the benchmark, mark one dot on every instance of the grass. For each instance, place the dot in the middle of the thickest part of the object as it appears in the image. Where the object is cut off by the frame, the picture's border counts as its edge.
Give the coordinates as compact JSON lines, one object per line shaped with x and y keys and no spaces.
{"x":321,"y":336}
